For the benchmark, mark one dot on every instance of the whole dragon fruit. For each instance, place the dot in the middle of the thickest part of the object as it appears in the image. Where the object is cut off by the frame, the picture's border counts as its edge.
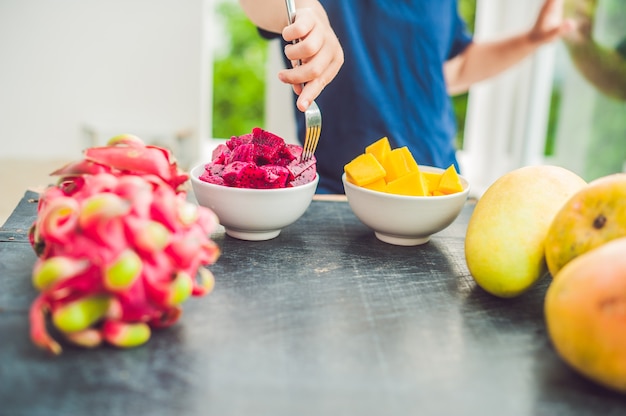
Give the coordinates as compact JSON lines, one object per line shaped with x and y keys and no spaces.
{"x":119,"y":247}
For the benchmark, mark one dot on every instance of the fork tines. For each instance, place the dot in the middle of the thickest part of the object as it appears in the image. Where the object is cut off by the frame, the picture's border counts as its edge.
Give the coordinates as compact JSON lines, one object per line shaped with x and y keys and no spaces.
{"x":310,"y":142}
{"x":313,"y":121}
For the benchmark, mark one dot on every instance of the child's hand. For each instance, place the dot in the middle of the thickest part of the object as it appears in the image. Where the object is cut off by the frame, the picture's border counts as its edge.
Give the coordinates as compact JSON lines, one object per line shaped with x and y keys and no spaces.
{"x":583,"y":13}
{"x":550,"y":23}
{"x":318,"y":50}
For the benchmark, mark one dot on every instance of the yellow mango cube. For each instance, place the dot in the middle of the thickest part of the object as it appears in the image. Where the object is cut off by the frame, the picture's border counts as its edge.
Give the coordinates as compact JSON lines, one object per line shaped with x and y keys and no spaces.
{"x":364,"y":169}
{"x":412,"y":184}
{"x":379,"y":185}
{"x":432,"y":179}
{"x":398,"y":163}
{"x":380,"y":149}
{"x":450,"y":182}
{"x":409,"y":160}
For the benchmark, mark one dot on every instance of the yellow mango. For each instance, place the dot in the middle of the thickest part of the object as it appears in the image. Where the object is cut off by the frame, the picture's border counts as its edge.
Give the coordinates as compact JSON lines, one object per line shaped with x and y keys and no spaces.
{"x":593,"y":216}
{"x":412,"y":184}
{"x":398,"y":163}
{"x":506,"y":234}
{"x":380,"y":149}
{"x":450,"y":182}
{"x":432,"y":180}
{"x":584,"y":312}
{"x":364,"y":169}
{"x":408,"y":159}
{"x":379,"y":185}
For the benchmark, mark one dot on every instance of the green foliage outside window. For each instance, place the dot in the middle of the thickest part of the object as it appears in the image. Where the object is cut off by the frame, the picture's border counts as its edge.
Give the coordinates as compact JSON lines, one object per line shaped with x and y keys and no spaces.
{"x":238,"y":76}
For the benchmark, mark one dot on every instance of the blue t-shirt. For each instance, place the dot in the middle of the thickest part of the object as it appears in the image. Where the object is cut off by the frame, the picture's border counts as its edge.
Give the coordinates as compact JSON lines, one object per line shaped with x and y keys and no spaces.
{"x":391,"y":83}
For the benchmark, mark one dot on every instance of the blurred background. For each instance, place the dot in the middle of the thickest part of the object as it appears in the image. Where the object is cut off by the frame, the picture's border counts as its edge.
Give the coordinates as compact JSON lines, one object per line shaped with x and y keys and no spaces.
{"x":186,"y":74}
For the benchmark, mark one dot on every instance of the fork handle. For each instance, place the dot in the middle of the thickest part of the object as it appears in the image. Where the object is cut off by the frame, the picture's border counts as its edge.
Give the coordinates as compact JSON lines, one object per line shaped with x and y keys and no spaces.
{"x":291,"y":10}
{"x":291,"y":15}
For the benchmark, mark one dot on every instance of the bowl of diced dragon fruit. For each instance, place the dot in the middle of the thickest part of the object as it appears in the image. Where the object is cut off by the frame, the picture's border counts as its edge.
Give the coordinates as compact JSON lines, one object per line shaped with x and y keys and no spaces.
{"x":256,"y":184}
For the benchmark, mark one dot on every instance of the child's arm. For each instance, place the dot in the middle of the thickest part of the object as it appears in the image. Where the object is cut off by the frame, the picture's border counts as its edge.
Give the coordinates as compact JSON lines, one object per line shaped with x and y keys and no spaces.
{"x":482,"y":60}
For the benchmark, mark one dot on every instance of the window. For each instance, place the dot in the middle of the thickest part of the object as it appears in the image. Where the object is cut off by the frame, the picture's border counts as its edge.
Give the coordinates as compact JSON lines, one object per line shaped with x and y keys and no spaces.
{"x":588,"y":129}
{"x":543,"y":110}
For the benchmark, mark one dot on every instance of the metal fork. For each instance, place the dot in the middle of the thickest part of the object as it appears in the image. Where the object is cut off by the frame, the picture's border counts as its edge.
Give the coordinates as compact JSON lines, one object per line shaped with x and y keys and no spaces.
{"x":312,"y":115}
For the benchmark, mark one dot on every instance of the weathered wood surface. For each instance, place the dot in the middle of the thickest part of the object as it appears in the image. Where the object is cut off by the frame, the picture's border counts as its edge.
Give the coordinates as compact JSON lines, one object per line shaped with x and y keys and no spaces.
{"x":323,"y":320}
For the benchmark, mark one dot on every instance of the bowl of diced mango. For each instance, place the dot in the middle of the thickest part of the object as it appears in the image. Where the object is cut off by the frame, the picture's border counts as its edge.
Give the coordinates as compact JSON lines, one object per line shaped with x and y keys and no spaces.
{"x":404,"y":203}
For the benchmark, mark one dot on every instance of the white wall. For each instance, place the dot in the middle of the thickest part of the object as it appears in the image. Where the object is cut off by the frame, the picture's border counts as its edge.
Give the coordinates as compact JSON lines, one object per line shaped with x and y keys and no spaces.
{"x":68,"y":67}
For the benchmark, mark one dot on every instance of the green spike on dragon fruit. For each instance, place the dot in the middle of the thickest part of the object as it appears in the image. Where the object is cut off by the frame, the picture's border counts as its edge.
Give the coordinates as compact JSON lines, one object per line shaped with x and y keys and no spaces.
{"x":180,"y":289}
{"x":126,"y":335}
{"x":49,"y":271}
{"x":80,"y":314}
{"x":122,"y":272}
{"x":125,"y":139}
{"x":205,"y":280}
{"x":101,"y":207}
{"x":188,"y":213}
{"x":118,"y":246}
{"x":87,"y":338}
{"x":151,"y":236}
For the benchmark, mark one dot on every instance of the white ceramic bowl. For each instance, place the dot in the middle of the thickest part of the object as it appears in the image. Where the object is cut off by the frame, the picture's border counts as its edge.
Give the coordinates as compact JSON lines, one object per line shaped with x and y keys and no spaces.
{"x":253,"y":214}
{"x":405,"y":220}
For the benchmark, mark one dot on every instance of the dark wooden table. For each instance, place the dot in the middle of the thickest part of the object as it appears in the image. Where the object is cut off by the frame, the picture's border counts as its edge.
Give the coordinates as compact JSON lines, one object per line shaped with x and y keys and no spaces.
{"x":323,"y":320}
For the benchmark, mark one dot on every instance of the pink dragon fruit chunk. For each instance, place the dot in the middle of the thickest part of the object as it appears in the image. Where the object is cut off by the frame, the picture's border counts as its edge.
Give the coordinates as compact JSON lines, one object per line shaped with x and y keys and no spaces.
{"x":236,"y":141}
{"x":289,"y":153}
{"x":260,"y":160}
{"x":209,"y":177}
{"x":214,"y":169}
{"x":220,"y":154}
{"x":242,"y":153}
{"x":268,"y":146}
{"x":305,"y":176}
{"x":232,"y":172}
{"x":296,"y":167}
{"x":251,"y":176}
{"x":275,"y":176}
